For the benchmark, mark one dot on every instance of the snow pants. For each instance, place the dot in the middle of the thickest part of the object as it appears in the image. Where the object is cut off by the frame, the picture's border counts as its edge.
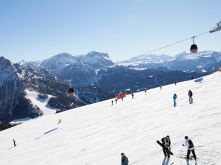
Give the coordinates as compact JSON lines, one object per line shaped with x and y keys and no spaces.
{"x":188,"y":154}
{"x":174,"y":102}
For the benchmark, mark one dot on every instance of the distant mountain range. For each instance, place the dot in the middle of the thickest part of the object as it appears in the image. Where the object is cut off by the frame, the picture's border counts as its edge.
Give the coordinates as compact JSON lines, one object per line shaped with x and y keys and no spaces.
{"x":205,"y":61}
{"x":94,"y":76}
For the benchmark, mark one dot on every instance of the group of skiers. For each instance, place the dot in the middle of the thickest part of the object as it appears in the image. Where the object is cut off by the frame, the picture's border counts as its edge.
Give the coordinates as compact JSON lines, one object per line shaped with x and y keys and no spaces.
{"x":122,"y":98}
{"x":190,"y":94}
{"x":166,"y":146}
{"x":166,"y":143}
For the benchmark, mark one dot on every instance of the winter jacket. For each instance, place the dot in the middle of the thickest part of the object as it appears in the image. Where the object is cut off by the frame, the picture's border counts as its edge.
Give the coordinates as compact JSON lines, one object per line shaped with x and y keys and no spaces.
{"x":124,"y":160}
{"x":174,"y":96}
{"x":190,"y":93}
{"x":166,"y":142}
{"x":189,"y":144}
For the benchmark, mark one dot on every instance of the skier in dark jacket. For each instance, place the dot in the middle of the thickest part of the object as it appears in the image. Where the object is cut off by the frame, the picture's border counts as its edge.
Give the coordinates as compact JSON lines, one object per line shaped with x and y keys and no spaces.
{"x":174,"y":99}
{"x":190,"y":94}
{"x":166,"y":143}
{"x":132,"y":95}
{"x":124,"y":159}
{"x":190,"y":147}
{"x":14,"y":142}
{"x":115,"y":100}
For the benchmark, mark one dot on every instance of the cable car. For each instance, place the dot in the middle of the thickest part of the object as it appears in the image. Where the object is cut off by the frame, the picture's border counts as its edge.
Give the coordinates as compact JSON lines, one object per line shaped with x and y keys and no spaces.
{"x":193,"y":48}
{"x":70,"y":91}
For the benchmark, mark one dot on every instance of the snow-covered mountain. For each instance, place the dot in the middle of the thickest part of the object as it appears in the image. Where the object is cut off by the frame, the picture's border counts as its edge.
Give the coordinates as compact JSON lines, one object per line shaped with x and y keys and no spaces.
{"x":12,"y":96}
{"x":80,"y":74}
{"x":28,"y":89}
{"x":58,"y":62}
{"x":204,"y":61}
{"x":96,"y":60}
{"x":146,"y":59}
{"x":98,"y":133}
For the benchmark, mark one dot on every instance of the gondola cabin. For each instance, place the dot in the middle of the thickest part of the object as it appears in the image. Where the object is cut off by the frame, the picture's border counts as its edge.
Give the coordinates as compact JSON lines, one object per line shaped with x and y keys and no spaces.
{"x":193,"y":47}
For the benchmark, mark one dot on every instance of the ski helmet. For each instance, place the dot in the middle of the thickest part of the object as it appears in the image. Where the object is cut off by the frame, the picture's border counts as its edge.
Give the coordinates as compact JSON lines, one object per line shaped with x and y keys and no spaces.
{"x":186,"y":137}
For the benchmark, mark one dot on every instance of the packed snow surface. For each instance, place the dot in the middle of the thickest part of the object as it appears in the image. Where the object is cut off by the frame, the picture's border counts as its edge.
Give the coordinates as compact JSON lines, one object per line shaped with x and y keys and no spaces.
{"x":96,"y":134}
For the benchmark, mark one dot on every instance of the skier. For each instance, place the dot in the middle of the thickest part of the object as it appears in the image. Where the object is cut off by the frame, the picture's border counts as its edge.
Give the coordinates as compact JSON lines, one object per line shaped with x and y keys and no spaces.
{"x":190,"y":147}
{"x":14,"y":142}
{"x":175,"y":83}
{"x":124,"y":159}
{"x":59,"y":121}
{"x":190,"y":94}
{"x":166,"y":143}
{"x":145,"y":90}
{"x":132,"y":95}
{"x":174,"y":99}
{"x":112,"y":102}
{"x":115,"y":100}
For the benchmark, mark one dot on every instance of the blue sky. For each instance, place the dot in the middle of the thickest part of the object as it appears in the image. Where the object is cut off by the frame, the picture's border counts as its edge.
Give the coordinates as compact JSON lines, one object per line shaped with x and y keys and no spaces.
{"x":39,"y":29}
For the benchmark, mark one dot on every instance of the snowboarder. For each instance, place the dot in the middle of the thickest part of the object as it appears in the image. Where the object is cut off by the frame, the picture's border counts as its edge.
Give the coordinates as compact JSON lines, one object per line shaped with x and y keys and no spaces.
{"x":174,"y":99}
{"x":166,"y":143}
{"x":190,"y":94}
{"x":124,"y":159}
{"x":112,"y":102}
{"x":190,"y":147}
{"x":14,"y":142}
{"x":132,"y":95}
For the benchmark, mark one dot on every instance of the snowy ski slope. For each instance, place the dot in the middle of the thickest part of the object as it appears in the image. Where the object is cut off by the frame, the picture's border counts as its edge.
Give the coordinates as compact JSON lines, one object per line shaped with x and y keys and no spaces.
{"x":96,"y":134}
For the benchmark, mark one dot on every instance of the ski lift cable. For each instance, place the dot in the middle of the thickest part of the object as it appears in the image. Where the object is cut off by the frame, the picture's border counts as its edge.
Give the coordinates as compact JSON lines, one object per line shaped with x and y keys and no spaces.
{"x":177,"y":42}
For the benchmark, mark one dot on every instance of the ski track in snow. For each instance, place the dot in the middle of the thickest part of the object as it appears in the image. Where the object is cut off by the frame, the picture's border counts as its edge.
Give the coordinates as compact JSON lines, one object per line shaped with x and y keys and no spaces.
{"x":96,"y":134}
{"x":41,"y":103}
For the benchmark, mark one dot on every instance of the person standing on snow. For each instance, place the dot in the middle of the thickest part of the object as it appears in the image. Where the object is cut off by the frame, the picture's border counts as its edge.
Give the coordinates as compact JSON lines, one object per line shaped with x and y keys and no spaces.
{"x":115,"y":100}
{"x":132,"y":95}
{"x":190,"y":147}
{"x":112,"y":102}
{"x":174,"y":99}
{"x":124,"y":159}
{"x":166,"y":143}
{"x":190,"y":94}
{"x":145,"y":90}
{"x":14,"y":142}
